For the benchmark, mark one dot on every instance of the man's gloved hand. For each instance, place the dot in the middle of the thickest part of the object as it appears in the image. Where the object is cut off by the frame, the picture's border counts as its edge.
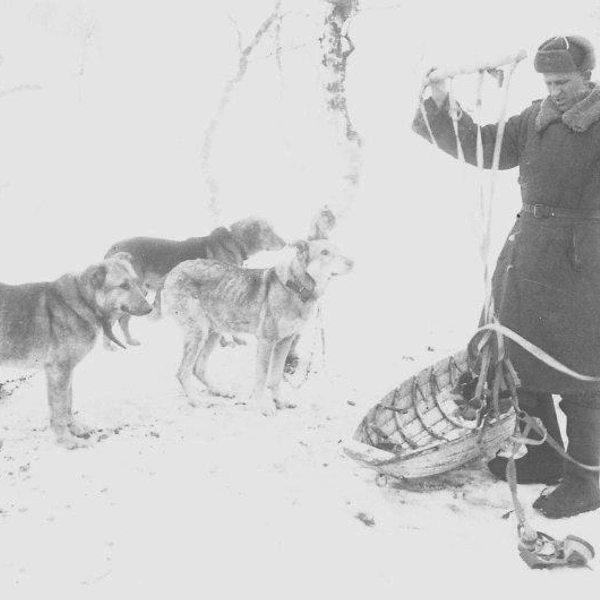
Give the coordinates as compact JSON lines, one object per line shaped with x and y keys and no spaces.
{"x":437,"y":87}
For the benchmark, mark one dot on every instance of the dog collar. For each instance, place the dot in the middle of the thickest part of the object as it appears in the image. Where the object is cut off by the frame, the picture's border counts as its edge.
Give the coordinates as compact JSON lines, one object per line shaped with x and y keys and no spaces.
{"x":305,"y":293}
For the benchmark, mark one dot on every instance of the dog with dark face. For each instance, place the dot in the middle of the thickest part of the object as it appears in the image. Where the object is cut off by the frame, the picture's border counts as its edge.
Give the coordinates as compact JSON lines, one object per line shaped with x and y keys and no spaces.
{"x":209,"y":299}
{"x":154,"y":258}
{"x":53,"y":325}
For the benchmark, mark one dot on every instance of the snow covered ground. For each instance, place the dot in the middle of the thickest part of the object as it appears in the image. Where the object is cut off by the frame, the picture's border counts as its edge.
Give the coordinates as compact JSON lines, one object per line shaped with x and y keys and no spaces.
{"x":219,"y":501}
{"x":223,"y":502}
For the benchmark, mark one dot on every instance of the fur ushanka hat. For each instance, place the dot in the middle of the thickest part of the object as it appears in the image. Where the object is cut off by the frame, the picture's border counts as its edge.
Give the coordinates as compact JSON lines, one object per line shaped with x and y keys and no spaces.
{"x":565,"y":54}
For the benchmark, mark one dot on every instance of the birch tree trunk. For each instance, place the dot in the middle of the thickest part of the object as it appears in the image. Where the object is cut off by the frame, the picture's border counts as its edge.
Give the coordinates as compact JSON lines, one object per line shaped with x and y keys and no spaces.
{"x":337,"y":47}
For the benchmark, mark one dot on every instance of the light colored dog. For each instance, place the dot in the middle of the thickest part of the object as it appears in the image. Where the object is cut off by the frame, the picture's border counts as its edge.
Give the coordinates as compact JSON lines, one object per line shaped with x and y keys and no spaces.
{"x":53,"y":325}
{"x":320,"y":227}
{"x":209,"y":298}
{"x":153,"y":258}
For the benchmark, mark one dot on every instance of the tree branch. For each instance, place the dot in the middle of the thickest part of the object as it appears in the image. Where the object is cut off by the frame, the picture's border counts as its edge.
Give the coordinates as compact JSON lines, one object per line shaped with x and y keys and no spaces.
{"x":225,"y":99}
{"x":19,"y":88}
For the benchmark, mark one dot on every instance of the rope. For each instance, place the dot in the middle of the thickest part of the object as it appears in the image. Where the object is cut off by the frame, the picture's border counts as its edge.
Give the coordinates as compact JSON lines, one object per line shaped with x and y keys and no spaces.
{"x":536,"y":351}
{"x":313,"y":351}
{"x":527,"y":536}
{"x":526,"y":533}
{"x":484,"y":202}
{"x":531,"y":543}
{"x":533,"y":423}
{"x":538,"y":549}
{"x":426,"y":121}
{"x":455,"y":114}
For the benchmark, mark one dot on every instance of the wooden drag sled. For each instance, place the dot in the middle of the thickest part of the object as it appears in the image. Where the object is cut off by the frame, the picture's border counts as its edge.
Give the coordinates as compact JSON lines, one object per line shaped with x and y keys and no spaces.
{"x":426,"y":425}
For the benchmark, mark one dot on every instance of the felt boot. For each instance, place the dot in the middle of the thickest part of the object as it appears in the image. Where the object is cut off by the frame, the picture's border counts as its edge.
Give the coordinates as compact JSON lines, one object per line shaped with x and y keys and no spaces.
{"x":578,"y":491}
{"x":541,"y":464}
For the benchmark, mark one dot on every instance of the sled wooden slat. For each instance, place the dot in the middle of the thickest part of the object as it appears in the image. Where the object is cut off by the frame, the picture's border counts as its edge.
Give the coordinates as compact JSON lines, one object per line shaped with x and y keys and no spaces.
{"x":415,"y":430}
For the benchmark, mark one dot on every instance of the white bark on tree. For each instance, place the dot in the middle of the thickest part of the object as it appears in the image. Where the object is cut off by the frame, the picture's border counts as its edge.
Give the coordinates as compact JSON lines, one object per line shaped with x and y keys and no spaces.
{"x":337,"y":47}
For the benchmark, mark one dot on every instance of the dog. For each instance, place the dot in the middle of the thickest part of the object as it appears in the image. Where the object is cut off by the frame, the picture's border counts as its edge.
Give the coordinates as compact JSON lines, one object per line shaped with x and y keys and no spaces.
{"x":319,"y":228}
{"x":154,"y":258}
{"x":53,"y":326}
{"x":209,"y":298}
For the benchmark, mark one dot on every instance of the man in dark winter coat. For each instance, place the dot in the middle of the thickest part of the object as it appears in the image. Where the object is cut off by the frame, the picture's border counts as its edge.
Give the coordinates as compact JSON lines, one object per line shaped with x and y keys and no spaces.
{"x":546,"y":285}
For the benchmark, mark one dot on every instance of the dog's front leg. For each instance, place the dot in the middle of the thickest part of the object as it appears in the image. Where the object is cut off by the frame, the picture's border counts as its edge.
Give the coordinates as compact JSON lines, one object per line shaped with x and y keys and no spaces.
{"x":76,"y":427}
{"x":200,"y":368}
{"x":58,"y":378}
{"x":156,"y":313}
{"x":192,"y":346}
{"x":263,"y":362}
{"x":280,"y":355}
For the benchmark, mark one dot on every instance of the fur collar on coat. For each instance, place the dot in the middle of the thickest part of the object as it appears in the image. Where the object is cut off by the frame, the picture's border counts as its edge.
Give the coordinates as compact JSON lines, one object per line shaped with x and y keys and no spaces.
{"x":578,"y":118}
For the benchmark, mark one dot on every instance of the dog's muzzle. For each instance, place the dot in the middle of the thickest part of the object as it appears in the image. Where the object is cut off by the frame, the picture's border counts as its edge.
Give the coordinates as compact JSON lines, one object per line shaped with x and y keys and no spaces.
{"x":348,"y":266}
{"x":138,"y":310}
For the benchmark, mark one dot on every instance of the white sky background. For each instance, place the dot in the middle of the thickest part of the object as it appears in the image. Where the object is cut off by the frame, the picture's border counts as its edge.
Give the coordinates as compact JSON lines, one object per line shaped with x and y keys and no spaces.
{"x":109,"y":147}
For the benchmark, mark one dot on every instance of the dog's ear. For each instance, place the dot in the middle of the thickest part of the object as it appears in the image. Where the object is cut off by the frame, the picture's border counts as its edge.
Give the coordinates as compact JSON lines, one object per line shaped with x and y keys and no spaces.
{"x":322,"y":224}
{"x":98,"y":275}
{"x":252,"y":231}
{"x":247,"y":233}
{"x":219,"y":232}
{"x":123,"y":256}
{"x":302,"y":252}
{"x":329,"y":219}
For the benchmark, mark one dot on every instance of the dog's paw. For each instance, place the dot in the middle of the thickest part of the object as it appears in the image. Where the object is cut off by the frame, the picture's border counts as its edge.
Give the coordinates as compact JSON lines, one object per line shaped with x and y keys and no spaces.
{"x":70,"y":442}
{"x":134,"y":342}
{"x":80,"y":430}
{"x":197,"y":397}
{"x":190,"y":389}
{"x":266,"y":408}
{"x":194,"y":398}
{"x":221,"y":391}
{"x":283,"y":404}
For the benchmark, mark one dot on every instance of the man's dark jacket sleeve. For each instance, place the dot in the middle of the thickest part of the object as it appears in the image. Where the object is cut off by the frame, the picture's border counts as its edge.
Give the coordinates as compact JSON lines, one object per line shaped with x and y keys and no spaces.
{"x":443,"y":131}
